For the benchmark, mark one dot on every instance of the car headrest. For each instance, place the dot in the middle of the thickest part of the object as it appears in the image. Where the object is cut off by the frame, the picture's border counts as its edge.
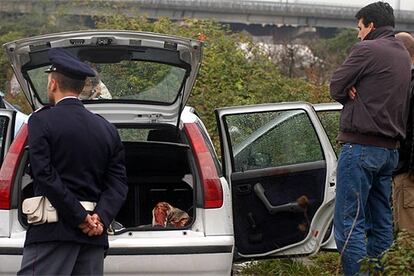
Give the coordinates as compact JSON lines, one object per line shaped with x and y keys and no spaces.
{"x":163,"y":135}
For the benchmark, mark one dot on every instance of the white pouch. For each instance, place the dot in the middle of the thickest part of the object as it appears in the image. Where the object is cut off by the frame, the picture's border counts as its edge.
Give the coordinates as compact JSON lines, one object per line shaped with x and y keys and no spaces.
{"x":33,"y":207}
{"x":50,"y":211}
{"x":39,"y":210}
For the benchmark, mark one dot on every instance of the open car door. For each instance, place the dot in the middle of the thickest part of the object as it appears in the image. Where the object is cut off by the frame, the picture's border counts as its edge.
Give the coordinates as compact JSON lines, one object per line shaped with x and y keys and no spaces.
{"x":7,"y":129}
{"x":280,"y":166}
{"x":7,"y":122}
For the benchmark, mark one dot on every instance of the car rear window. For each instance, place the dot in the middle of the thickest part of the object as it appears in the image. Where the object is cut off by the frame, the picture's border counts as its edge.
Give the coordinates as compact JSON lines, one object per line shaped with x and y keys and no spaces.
{"x":127,"y":80}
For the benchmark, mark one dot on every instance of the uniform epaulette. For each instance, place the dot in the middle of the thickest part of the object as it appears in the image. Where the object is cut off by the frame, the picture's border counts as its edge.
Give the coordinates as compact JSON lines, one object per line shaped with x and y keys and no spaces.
{"x":43,"y":108}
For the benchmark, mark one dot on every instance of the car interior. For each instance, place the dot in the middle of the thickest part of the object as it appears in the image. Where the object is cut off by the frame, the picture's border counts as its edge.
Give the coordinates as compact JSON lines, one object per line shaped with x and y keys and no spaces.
{"x":158,"y":170}
{"x":259,"y":229}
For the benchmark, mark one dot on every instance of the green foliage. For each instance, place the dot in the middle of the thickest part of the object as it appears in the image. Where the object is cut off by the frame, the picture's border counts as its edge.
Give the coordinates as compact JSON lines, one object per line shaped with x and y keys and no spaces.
{"x":338,"y":46}
{"x":13,"y":27}
{"x":330,"y":122}
{"x":5,"y":70}
{"x":322,"y":264}
{"x":277,"y":267}
{"x":397,"y":260}
{"x":145,"y":81}
{"x":227,"y":76}
{"x":273,"y":139}
{"x":330,"y":54}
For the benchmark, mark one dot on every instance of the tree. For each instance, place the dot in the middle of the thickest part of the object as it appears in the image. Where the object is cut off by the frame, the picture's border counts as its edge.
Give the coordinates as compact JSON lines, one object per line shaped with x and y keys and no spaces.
{"x":230,"y":74}
{"x":16,"y":26}
{"x":330,"y":54}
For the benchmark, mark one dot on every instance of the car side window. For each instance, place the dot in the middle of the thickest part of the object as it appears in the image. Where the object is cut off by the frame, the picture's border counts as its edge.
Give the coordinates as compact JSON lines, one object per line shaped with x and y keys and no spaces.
{"x":4,"y":121}
{"x":330,"y":122}
{"x":272,"y":139}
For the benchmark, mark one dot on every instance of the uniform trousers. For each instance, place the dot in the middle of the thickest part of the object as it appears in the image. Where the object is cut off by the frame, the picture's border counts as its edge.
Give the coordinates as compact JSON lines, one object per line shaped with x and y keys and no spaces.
{"x":62,"y":258}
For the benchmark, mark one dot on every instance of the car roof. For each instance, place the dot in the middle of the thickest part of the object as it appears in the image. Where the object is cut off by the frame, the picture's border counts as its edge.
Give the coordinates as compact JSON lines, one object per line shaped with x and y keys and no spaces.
{"x":327,"y":106}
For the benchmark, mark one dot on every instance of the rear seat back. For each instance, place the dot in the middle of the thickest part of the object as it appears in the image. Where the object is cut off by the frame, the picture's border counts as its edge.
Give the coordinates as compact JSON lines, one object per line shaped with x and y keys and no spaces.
{"x":156,"y":173}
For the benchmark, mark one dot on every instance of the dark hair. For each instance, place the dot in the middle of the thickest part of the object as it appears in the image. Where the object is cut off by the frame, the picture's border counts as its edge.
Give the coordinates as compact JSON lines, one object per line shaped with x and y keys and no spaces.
{"x":379,"y":13}
{"x":68,"y":84}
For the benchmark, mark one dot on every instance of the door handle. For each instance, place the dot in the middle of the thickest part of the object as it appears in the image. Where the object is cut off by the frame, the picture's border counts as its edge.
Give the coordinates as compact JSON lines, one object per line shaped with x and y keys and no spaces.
{"x":296,"y":207}
{"x":244,"y":189}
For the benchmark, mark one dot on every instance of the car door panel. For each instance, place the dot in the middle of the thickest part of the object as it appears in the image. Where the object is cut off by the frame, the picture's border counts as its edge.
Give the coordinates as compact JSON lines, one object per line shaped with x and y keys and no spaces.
{"x":255,"y":228}
{"x":279,"y":161}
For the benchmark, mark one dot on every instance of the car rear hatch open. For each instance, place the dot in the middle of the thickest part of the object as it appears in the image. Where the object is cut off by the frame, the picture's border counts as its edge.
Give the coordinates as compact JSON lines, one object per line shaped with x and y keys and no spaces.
{"x":143,"y":77}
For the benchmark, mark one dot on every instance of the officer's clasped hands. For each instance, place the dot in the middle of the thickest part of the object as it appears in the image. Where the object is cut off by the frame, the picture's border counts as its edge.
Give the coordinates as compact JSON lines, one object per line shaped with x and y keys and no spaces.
{"x":92,"y":225}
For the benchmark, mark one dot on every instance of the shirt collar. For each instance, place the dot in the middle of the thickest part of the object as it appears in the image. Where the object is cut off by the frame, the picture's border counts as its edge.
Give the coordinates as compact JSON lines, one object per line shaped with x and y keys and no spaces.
{"x":380,"y":32}
{"x":67,"y":97}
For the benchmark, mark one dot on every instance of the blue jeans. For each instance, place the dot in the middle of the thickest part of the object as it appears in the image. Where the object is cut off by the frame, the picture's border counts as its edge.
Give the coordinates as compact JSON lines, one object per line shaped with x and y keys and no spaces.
{"x":363,"y":218}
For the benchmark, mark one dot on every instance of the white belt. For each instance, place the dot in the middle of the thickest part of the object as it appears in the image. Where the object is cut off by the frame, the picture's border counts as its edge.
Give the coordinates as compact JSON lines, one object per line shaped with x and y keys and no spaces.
{"x":39,"y":210}
{"x":88,"y":205}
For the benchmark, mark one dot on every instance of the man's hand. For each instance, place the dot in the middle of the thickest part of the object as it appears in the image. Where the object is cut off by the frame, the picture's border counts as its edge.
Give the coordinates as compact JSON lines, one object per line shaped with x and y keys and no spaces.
{"x":92,"y":226}
{"x":352,"y":93}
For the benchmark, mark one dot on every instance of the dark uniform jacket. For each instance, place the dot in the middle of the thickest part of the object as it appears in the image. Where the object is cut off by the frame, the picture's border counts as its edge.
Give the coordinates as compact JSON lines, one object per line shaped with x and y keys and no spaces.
{"x":75,"y":155}
{"x":379,"y":68}
{"x":406,"y":156}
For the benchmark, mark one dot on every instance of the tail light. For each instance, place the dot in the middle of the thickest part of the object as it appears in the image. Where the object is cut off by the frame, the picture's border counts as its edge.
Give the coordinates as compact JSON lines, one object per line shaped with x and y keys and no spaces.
{"x":9,"y":167}
{"x":212,"y":190}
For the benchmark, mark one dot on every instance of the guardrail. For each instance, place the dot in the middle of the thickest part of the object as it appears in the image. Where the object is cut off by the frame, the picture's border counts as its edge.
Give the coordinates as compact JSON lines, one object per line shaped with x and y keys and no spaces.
{"x":265,"y":8}
{"x":217,"y":7}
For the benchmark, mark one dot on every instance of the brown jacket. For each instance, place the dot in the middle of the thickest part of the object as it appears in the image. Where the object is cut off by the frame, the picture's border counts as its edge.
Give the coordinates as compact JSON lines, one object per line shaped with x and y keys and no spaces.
{"x":380,"y":69}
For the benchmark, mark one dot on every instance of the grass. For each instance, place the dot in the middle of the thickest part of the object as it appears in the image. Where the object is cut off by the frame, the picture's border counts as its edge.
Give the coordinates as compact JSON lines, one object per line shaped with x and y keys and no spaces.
{"x":398,"y":260}
{"x":322,"y":263}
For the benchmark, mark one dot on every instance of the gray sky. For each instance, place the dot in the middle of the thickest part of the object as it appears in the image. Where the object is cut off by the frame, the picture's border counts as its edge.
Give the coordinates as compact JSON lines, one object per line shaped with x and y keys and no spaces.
{"x":404,"y":4}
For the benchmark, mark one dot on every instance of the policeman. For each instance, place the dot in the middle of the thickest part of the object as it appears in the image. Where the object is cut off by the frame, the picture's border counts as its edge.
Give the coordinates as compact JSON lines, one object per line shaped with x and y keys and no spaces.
{"x":77,"y":161}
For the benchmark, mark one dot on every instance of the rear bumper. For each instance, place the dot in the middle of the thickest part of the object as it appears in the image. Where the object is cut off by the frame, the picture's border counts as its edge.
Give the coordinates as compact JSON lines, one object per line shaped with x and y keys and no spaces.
{"x":185,"y":255}
{"x":189,"y":264}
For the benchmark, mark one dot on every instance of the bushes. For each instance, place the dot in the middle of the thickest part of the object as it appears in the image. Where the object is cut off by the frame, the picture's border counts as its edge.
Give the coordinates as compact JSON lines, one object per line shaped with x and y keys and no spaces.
{"x":230,"y":74}
{"x":398,"y":260}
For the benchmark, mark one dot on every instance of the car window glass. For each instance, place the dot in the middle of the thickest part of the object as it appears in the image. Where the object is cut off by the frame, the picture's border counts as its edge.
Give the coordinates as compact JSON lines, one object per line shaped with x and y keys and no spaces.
{"x":133,"y":134}
{"x":330,"y":122}
{"x":271,"y":139}
{"x":3,"y":132}
{"x":125,"y":80}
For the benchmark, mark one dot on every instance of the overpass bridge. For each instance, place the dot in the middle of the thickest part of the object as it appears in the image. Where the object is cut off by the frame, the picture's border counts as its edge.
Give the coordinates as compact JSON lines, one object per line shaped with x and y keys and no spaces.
{"x":261,"y":18}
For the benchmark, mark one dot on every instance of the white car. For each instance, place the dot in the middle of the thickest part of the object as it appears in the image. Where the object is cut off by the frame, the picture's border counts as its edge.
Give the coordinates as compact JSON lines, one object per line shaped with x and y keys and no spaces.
{"x":272,"y":196}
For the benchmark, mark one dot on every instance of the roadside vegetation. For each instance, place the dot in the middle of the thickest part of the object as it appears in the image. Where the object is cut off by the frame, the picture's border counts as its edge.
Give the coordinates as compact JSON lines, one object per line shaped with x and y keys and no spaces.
{"x":234,"y":71}
{"x":396,"y":261}
{"x":322,"y":264}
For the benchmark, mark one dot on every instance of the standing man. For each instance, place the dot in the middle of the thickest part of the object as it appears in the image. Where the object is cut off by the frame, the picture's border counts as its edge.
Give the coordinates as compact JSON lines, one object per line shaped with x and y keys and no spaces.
{"x":403,"y":193}
{"x":373,"y":86}
{"x":77,"y":161}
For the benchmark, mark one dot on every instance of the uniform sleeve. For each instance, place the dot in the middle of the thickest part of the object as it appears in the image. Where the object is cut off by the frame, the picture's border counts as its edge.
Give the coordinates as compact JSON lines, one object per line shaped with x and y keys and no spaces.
{"x":348,"y":74}
{"x":115,"y":186}
{"x":47,"y":178}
